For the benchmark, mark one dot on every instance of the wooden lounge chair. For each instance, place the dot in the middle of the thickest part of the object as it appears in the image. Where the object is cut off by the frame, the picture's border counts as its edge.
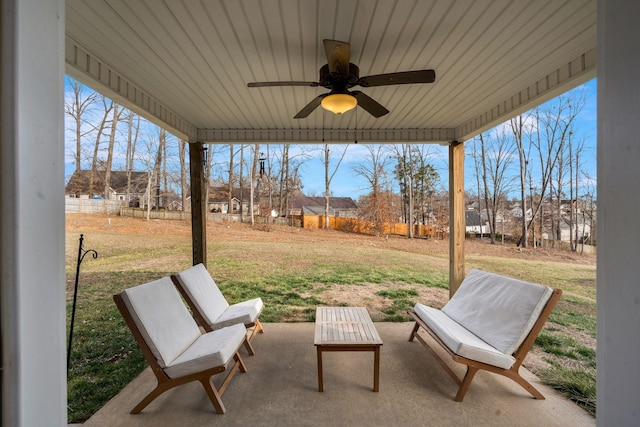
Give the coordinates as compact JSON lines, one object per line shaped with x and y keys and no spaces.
{"x":211,"y":309}
{"x":490,"y":323}
{"x":173,"y":344}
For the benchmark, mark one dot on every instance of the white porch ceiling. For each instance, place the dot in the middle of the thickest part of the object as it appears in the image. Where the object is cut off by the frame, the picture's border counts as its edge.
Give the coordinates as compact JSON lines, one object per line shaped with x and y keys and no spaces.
{"x":185,"y":64}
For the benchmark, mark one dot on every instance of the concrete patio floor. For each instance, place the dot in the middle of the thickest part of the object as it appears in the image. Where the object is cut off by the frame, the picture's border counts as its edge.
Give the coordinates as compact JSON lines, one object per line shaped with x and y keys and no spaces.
{"x":280,"y":388}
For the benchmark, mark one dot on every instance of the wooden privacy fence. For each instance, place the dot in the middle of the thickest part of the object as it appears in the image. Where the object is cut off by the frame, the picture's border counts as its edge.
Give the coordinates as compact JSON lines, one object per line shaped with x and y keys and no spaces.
{"x":77,"y":205}
{"x":354,"y":225}
{"x":218,"y":217}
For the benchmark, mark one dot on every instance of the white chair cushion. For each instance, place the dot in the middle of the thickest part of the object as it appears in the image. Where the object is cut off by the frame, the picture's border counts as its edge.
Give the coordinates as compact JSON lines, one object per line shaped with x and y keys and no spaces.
{"x":164,"y":321}
{"x":498,"y":309}
{"x":203,"y":291}
{"x":461,"y":341}
{"x":245,"y":312}
{"x":208,"y":351}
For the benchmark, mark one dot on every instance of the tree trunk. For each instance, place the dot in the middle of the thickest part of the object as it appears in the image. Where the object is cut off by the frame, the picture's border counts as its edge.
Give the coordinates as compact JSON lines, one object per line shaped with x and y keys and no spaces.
{"x":94,"y":163}
{"x":158,"y":166}
{"x":488,"y":206}
{"x":241,"y":182}
{"x":516,"y":127}
{"x":112,"y":142}
{"x":183,"y":172}
{"x":326,"y":186}
{"x":328,"y":177}
{"x":165,"y":177}
{"x":254,"y":167}
{"x":75,"y":109}
{"x":410,"y":192}
{"x":284,"y":177}
{"x":132,"y":139}
{"x":78,"y":120}
{"x":229,"y":208}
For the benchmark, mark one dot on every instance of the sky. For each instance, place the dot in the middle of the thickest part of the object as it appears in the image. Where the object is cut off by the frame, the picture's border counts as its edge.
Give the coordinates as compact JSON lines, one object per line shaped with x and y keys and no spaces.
{"x":346,"y":182}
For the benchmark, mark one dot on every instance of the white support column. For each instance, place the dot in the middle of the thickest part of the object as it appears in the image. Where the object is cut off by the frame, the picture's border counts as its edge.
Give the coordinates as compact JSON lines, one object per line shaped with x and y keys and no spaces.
{"x":32,"y":244}
{"x":618,"y":353}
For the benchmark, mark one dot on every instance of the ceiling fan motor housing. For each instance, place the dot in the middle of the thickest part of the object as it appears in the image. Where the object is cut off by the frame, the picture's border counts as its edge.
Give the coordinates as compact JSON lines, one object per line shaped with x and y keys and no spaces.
{"x":336,"y":81}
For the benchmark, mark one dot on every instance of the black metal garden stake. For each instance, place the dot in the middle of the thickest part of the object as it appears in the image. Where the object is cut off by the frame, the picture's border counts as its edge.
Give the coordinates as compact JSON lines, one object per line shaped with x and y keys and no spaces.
{"x":81,"y":255}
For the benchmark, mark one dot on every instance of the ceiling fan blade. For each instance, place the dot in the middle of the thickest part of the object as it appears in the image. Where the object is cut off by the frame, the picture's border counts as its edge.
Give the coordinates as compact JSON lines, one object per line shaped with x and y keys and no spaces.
{"x":268,"y":84}
{"x":369,"y":104}
{"x":338,"y":54}
{"x":308,"y":109}
{"x":405,"y":77}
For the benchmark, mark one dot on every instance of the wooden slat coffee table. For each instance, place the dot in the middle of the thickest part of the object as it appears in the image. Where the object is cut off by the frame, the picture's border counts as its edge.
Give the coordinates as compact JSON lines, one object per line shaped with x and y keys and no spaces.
{"x":346,"y":329}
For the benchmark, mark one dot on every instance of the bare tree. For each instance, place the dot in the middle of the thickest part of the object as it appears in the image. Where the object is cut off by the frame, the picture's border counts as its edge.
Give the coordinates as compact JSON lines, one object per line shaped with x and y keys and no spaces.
{"x":481,"y":176}
{"x":373,"y":170}
{"x":254,"y":175}
{"x":117,"y":112}
{"x":283,"y":195}
{"x":76,"y":108}
{"x":495,"y":157}
{"x":182,"y":145}
{"x":108,"y":106}
{"x":148,"y":157}
{"x":158,"y":168}
{"x":132,"y":139}
{"x":410,"y":192}
{"x":231,"y":154}
{"x":165,"y":176}
{"x":548,"y":135}
{"x":328,"y":177}
{"x":240,"y":176}
{"x":588,"y":211}
{"x":575,"y":167}
{"x":289,"y":180}
{"x":209,"y":155}
{"x":517,"y":127}
{"x":268,"y":178}
{"x":554,"y":125}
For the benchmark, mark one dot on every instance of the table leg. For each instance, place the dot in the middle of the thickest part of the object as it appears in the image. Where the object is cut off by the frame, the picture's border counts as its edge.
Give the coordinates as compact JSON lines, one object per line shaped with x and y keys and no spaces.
{"x":376,"y":368}
{"x":320,"y":384}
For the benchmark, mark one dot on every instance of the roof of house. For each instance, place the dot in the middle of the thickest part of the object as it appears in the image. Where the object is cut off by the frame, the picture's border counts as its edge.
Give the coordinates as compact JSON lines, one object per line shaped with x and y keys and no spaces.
{"x":471,"y":218}
{"x":316,"y":210}
{"x":298,"y":202}
{"x":221,"y":194}
{"x":80,"y":180}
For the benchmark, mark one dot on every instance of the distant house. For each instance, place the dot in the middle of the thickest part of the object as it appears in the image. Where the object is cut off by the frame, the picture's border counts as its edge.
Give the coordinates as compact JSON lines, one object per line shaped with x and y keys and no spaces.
{"x":219,"y":200}
{"x":80,"y":182}
{"x":474,"y":223}
{"x":338,"y":206}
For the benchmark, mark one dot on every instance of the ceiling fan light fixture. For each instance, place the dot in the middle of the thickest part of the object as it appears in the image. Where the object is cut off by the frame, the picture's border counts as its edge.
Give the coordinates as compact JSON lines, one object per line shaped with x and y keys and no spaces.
{"x":339,"y":103}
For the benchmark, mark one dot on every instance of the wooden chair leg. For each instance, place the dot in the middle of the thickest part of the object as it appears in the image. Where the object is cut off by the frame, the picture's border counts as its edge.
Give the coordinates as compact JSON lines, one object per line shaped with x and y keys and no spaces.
{"x":259,"y":327}
{"x":210,"y":388}
{"x":240,"y":362}
{"x":414,"y":332}
{"x":466,"y":382}
{"x":515,"y":376}
{"x":249,"y":347}
{"x":160,"y":388}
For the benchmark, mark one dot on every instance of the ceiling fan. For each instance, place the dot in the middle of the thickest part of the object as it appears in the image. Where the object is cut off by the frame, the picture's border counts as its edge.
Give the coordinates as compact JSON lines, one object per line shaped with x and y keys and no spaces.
{"x":339,"y":75}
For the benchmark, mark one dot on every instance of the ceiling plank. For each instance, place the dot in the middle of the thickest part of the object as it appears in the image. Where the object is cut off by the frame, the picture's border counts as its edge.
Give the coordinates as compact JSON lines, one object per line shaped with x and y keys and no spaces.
{"x":572,"y":74}
{"x":193,"y":58}
{"x":87,"y":69}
